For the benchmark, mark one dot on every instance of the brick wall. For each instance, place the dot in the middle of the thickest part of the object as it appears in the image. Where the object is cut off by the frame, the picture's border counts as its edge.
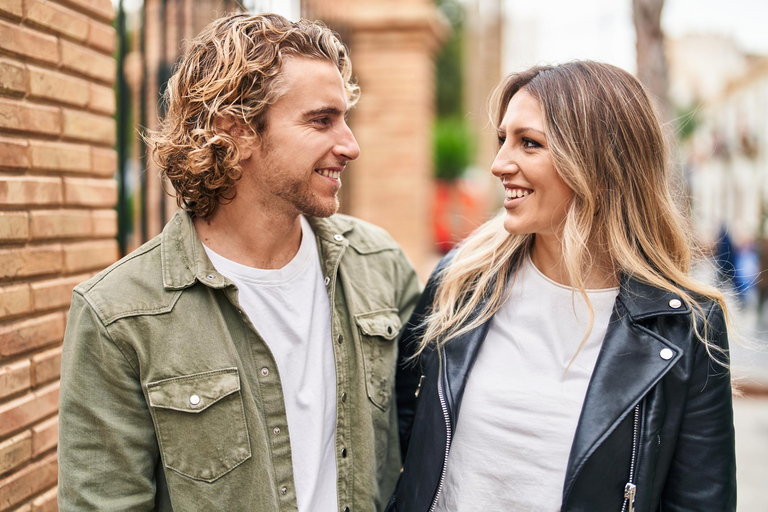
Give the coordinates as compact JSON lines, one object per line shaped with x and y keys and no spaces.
{"x":57,"y":223}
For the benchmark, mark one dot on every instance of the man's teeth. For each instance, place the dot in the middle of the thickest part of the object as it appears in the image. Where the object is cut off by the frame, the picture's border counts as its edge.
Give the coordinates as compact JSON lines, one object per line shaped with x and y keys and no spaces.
{"x":328,"y":173}
{"x":515,"y":192}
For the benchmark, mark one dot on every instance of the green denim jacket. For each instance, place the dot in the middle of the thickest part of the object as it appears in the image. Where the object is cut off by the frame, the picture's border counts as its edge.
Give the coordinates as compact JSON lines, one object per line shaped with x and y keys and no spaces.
{"x":161,"y":325}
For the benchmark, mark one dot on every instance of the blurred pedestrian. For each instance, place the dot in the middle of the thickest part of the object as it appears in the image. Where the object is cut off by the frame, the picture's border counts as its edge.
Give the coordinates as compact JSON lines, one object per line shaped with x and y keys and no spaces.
{"x":564,"y":357}
{"x":243,"y":360}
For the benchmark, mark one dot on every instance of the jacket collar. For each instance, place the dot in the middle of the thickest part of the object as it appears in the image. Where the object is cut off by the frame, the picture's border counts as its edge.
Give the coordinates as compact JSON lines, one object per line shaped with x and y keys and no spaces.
{"x":184,"y":261}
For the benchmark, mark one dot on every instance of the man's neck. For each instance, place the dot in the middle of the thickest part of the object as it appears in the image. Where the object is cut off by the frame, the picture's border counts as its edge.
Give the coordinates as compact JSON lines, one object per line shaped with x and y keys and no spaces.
{"x":255,"y":237}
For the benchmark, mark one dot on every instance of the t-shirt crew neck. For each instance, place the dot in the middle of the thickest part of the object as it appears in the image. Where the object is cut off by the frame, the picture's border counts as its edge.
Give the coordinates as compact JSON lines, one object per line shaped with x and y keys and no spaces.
{"x":521,"y":407}
{"x":290,"y":310}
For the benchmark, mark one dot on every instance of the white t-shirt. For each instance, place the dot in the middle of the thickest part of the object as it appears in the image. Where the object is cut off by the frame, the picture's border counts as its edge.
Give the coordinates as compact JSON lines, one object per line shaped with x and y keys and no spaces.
{"x":520,"y":407}
{"x":289,"y":308}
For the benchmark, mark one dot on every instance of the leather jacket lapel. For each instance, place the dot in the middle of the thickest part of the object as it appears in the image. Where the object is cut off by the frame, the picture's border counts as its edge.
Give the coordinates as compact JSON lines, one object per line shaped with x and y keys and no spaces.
{"x":630,"y":363}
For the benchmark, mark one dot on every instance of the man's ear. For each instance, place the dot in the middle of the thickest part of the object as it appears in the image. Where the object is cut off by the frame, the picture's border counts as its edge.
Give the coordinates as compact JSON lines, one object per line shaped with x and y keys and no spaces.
{"x":243,"y":136}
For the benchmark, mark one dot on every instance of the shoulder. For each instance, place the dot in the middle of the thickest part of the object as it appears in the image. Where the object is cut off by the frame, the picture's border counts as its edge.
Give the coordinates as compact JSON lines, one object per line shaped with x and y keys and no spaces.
{"x":131,"y":286}
{"x":363,"y":237}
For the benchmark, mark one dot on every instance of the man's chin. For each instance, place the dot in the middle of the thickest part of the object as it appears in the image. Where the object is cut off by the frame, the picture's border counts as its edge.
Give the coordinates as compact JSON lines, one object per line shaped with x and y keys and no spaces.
{"x":324,"y":209}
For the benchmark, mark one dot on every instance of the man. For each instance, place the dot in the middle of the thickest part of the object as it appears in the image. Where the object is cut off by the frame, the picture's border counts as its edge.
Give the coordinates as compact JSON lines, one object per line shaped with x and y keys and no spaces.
{"x":243,"y":360}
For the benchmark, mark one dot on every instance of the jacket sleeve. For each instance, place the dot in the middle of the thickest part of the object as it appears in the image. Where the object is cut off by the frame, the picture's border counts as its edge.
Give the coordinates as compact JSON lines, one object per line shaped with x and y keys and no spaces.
{"x":409,"y":371}
{"x":702,"y":475}
{"x":107,"y":447}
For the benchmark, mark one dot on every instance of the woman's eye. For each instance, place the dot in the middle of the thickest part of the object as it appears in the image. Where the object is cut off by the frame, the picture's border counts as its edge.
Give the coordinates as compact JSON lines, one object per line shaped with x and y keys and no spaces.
{"x":529,"y":144}
{"x":502,"y":140}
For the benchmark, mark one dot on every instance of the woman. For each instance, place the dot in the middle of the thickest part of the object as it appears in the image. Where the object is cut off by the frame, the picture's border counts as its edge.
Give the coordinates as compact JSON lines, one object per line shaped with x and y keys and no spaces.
{"x":562,"y":358}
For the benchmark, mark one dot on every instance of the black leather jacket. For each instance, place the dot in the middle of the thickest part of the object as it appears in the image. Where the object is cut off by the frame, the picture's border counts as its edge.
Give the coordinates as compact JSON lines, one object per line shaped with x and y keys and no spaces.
{"x":650,"y":365}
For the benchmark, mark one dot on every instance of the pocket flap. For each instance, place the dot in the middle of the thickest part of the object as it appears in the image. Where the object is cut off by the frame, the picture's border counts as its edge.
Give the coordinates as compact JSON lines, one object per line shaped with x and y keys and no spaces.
{"x":193,"y":393}
{"x":385,"y":323}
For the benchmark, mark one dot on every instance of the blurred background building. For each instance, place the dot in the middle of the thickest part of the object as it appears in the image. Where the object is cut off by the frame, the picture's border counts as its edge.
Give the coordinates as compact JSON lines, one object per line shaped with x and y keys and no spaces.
{"x":81,"y":80}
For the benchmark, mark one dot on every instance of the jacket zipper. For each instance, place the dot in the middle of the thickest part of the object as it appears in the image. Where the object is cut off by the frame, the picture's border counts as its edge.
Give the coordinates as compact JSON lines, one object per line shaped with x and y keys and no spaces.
{"x":444,"y":406}
{"x":630,"y":489}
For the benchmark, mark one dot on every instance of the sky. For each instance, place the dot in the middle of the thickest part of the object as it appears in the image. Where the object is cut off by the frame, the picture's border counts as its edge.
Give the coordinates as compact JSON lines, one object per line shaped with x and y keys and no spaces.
{"x":550,"y":31}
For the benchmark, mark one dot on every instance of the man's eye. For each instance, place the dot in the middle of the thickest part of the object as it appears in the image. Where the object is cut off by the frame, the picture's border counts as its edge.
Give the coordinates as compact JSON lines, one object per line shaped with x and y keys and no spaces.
{"x":323,"y":121}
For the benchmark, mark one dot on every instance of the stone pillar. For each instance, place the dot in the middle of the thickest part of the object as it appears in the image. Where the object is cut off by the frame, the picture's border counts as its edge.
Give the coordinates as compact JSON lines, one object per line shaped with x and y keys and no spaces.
{"x":391,"y":184}
{"x":57,"y":222}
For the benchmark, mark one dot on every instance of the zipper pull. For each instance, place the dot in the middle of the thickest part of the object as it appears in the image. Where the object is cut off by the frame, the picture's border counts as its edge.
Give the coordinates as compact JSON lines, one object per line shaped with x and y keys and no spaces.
{"x":418,"y":388}
{"x":629,"y":494}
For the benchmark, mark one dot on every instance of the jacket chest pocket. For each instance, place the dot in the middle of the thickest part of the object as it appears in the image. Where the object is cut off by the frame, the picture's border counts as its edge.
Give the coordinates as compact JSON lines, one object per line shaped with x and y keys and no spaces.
{"x":200,"y":423}
{"x":378,"y":335}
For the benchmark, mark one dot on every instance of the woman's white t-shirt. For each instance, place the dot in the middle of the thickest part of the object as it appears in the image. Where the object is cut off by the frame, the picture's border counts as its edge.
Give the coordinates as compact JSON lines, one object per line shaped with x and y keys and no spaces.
{"x":520,"y":407}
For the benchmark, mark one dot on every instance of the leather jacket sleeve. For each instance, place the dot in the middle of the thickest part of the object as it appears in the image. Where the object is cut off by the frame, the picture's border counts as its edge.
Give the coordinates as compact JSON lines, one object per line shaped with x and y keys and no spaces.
{"x":702,"y":474}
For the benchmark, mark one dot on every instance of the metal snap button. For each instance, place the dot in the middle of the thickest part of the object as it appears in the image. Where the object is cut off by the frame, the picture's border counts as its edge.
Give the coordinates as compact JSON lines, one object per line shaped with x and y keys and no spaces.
{"x":327,"y":280}
{"x":194,"y":399}
{"x":276,"y":431}
{"x":675,"y":303}
{"x":283,"y":490}
{"x":210,"y":276}
{"x":264,"y":372}
{"x":338,"y":238}
{"x":666,"y":354}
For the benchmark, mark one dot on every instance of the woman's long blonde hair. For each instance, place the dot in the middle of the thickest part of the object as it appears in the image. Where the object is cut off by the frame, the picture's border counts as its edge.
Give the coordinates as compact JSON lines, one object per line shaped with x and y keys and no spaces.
{"x":607,"y":145}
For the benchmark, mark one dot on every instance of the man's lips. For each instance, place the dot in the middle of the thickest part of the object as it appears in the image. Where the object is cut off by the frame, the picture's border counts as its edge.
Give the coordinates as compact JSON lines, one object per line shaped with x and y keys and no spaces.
{"x":330,"y":172}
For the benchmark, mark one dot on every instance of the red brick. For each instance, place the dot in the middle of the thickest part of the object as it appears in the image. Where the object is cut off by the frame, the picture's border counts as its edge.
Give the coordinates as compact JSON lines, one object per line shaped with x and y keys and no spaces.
{"x":31,"y":333}
{"x":28,"y":117}
{"x":46,"y":366}
{"x":15,"y":451}
{"x":60,"y":156}
{"x":102,"y":37}
{"x":90,"y":255}
{"x":31,"y":480}
{"x":15,"y":300}
{"x":102,"y":99}
{"x":46,"y":502}
{"x":12,"y":7}
{"x":12,"y":78}
{"x":29,"y":190}
{"x":91,"y":127}
{"x":52,"y":85}
{"x":28,"y":43}
{"x":55,"y":293}
{"x":15,"y":377}
{"x":103,"y":162}
{"x":59,"y":224}
{"x":101,"y":8}
{"x":14,"y":153}
{"x":90,"y":192}
{"x":28,"y":409}
{"x":104,"y":223}
{"x":45,"y":435}
{"x":14,"y":226}
{"x":58,"y":18}
{"x":30,"y":261}
{"x":88,"y":62}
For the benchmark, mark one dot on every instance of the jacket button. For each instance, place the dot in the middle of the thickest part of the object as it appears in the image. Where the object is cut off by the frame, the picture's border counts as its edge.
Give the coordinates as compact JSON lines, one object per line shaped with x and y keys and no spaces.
{"x":666,"y":354}
{"x":340,"y":339}
{"x":264,"y":372}
{"x":276,"y":431}
{"x":343,"y":397}
{"x":194,"y":399}
{"x":283,"y":490}
{"x":389,"y":329}
{"x":346,"y":509}
{"x":343,"y":453}
{"x":338,"y":238}
{"x":327,"y":280}
{"x":675,"y":303}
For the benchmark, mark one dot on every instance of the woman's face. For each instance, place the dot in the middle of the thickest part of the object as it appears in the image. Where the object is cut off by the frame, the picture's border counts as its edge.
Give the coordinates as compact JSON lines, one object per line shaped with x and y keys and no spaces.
{"x":536,"y":198}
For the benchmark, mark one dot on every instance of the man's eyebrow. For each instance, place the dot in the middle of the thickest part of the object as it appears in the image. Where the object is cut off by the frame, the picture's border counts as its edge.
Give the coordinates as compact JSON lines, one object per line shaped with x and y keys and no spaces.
{"x":325,"y":111}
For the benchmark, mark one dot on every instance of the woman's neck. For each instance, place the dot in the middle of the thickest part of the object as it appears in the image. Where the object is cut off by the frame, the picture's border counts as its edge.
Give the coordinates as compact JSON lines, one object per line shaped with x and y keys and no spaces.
{"x":547,"y":255}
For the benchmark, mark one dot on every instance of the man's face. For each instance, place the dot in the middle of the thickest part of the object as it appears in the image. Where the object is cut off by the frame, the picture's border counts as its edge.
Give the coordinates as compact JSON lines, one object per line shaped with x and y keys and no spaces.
{"x":297,"y":162}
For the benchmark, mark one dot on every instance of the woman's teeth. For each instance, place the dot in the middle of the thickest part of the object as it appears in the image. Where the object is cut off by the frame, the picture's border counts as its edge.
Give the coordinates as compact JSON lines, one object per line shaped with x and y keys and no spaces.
{"x":515,"y":192}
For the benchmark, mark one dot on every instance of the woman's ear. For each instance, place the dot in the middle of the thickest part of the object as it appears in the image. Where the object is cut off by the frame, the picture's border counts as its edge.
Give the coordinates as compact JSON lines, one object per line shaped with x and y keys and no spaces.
{"x":243,"y":136}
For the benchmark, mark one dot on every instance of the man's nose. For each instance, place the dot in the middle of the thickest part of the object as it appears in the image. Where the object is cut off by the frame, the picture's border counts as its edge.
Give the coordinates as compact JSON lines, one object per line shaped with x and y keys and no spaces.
{"x":346,"y":147}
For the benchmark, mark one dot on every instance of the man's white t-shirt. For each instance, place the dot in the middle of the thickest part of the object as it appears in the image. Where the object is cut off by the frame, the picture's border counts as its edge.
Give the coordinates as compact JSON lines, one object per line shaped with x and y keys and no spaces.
{"x":520,"y":407}
{"x":290,"y":310}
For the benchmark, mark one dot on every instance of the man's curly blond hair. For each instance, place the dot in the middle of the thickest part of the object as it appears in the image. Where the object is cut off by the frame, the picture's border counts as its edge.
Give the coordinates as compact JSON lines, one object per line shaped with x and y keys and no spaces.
{"x":231,"y":71}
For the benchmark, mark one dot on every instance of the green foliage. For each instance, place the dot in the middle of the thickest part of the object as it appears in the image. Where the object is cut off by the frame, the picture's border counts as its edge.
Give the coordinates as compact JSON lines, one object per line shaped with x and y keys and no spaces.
{"x":453,"y":147}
